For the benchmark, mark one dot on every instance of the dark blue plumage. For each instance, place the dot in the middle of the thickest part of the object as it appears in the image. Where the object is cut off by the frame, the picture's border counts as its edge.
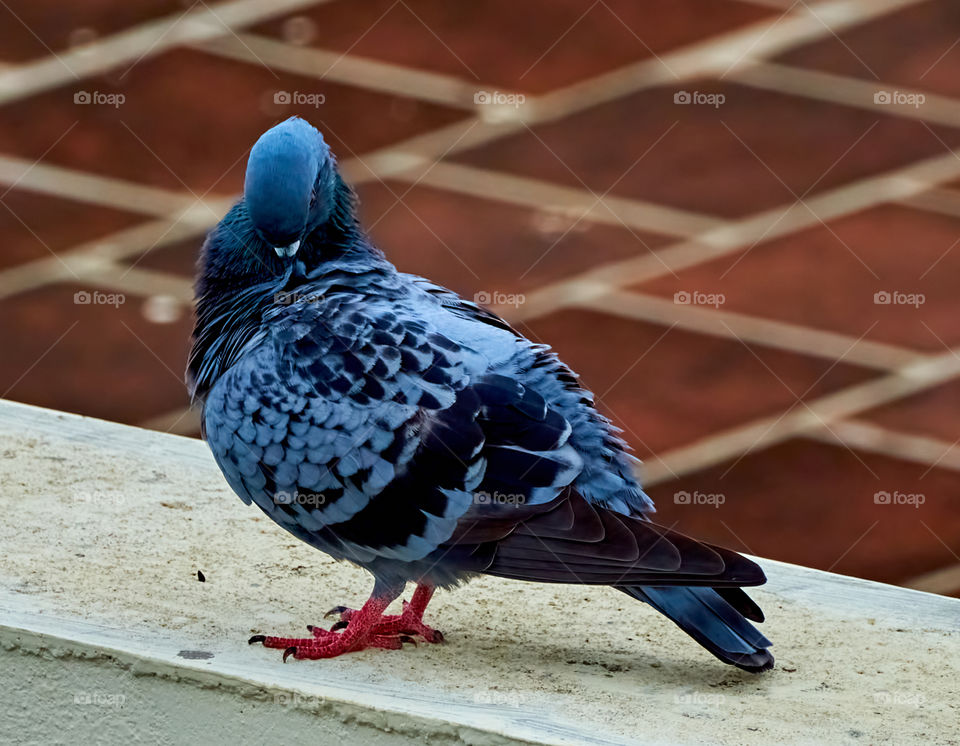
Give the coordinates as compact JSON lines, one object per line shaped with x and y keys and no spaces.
{"x":389,"y":422}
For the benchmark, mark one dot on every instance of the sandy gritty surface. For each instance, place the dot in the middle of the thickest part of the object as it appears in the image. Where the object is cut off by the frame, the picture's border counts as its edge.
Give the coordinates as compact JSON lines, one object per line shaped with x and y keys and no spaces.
{"x":112,"y":529}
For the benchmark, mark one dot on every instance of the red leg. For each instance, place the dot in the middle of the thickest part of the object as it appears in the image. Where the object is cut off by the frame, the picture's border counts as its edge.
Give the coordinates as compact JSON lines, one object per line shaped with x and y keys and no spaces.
{"x":410,"y":621}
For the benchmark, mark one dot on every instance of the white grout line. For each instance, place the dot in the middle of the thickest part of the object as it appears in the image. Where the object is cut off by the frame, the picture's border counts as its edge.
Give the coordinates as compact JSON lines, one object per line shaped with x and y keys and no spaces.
{"x":137,"y":280}
{"x":822,"y":20}
{"x":941,"y":201}
{"x":764,"y":432}
{"x":336,"y":67}
{"x":892,"y":186}
{"x":848,"y":91}
{"x":419,"y":152}
{"x":128,"y":47}
{"x":865,"y":436}
{"x":770,"y":333}
{"x":719,"y":54}
{"x":778,"y":4}
{"x":544,"y":195}
{"x":58,"y":181}
{"x":946,"y":580}
{"x":85,"y":259}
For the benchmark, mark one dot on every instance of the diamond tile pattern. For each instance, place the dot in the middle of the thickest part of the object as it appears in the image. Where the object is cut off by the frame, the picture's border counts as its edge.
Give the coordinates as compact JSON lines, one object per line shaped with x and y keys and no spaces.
{"x":886,"y":51}
{"x":532,"y":47}
{"x":630,"y":103}
{"x":754,"y":151}
{"x":885,"y":273}
{"x":167,"y":116}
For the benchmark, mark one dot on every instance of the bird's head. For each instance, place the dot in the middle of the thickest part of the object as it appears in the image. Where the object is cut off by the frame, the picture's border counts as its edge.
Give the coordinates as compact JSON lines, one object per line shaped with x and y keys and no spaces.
{"x":290,"y":185}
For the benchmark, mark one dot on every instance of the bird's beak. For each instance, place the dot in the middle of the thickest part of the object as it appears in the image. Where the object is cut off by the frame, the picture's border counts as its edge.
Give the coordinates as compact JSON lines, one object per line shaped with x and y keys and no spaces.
{"x":287,"y":250}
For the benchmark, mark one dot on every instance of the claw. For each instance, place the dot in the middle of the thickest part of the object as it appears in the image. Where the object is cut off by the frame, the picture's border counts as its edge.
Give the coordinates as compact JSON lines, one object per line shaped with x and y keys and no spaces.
{"x":438,"y":636}
{"x":359,"y":629}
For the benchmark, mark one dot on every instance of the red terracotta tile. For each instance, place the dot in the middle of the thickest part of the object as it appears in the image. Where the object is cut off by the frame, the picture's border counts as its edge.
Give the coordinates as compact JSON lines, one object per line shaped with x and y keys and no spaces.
{"x":529,"y":46}
{"x":915,"y":47}
{"x":189,"y":118}
{"x":755,"y":151}
{"x":43,"y":27}
{"x":37,"y":226}
{"x":472,"y":245}
{"x":934,"y":413}
{"x":100,"y":359}
{"x":829,"y":277}
{"x":818,"y":505}
{"x":179,"y":258}
{"x":669,"y":388}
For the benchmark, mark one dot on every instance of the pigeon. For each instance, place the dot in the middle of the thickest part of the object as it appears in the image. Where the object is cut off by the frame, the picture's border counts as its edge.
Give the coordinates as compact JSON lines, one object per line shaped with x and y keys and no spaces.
{"x":388,"y":422}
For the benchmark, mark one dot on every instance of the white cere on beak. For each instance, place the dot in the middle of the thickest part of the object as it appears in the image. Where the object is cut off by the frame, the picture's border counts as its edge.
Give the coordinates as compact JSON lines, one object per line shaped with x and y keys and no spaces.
{"x":287,"y":250}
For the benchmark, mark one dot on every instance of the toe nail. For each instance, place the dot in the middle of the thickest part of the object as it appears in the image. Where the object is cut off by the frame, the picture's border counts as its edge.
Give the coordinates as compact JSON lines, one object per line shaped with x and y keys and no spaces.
{"x":256,"y":638}
{"x":334,"y":611}
{"x":309,"y":628}
{"x":288,"y":652}
{"x":339,"y":625}
{"x":407,"y":638}
{"x":438,"y":636}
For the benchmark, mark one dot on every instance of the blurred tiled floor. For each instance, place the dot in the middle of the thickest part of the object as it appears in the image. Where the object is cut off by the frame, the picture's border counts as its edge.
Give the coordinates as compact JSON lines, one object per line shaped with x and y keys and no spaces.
{"x":737,"y":219}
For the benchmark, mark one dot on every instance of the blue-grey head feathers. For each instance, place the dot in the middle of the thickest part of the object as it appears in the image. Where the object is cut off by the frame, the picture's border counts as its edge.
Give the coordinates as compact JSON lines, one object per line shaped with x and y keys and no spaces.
{"x":290,"y":184}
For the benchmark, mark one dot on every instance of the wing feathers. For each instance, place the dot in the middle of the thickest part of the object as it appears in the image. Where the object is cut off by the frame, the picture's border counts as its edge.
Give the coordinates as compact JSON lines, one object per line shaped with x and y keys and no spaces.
{"x":571,"y":541}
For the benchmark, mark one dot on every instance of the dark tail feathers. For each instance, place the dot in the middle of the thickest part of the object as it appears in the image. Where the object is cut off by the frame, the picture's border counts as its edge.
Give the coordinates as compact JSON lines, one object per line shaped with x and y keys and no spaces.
{"x":716,"y":618}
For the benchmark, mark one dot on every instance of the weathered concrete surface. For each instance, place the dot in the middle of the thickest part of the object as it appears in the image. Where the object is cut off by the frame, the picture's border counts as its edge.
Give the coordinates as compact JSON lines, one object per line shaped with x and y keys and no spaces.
{"x":105,"y":527}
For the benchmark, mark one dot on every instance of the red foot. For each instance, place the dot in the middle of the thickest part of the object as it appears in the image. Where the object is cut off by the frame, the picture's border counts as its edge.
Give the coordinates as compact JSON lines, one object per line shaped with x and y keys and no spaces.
{"x":409,"y":622}
{"x":367,"y":627}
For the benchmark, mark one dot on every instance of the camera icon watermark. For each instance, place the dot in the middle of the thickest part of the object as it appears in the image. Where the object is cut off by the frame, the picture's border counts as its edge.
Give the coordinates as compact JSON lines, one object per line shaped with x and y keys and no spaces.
{"x":916,"y":499}
{"x":288,"y":298}
{"x":716,"y":499}
{"x":896,"y":298}
{"x":498,"y":106}
{"x":899,"y":98}
{"x":696,"y":298}
{"x":908,"y":699}
{"x":496,"y":298}
{"x":96,"y":497}
{"x":99,"y":699}
{"x":497,"y":98}
{"x":96,"y":98}
{"x":499,"y":498}
{"x":298,"y":98}
{"x":499,"y":697}
{"x":700,"y":698}
{"x":296,"y":497}
{"x":296,"y":699}
{"x":698,"y":98}
{"x":97,"y":298}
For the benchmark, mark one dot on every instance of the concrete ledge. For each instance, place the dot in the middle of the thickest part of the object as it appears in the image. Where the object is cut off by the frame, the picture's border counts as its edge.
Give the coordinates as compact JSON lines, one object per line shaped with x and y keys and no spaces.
{"x":106,"y":634}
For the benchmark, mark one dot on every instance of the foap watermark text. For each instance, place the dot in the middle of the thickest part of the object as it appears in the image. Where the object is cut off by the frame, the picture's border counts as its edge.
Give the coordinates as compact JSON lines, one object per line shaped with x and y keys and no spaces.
{"x":716,"y":499}
{"x":699,"y":98}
